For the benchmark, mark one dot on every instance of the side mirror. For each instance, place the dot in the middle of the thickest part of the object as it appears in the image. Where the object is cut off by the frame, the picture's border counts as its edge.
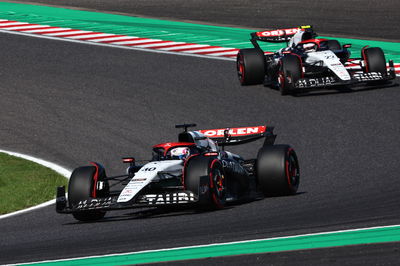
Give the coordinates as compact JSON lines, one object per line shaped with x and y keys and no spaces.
{"x":129,"y":160}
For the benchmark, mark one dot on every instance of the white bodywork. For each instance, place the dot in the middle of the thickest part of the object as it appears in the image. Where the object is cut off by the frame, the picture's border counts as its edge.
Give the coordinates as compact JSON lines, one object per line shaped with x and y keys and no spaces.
{"x":147,"y":174}
{"x":297,"y":37}
{"x":331,"y":61}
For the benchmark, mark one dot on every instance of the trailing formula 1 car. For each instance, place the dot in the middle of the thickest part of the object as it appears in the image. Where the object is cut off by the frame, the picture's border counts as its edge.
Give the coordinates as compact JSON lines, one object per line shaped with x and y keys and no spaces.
{"x":195,"y":171}
{"x":308,"y":62}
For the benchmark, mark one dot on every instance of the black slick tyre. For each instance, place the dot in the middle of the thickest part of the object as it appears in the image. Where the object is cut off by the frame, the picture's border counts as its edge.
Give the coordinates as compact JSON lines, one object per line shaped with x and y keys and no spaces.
{"x":334,"y":45}
{"x":374,"y":60}
{"x":250,"y":66}
{"x":290,"y":71}
{"x":204,"y":176}
{"x":80,"y":188}
{"x":278,"y":171}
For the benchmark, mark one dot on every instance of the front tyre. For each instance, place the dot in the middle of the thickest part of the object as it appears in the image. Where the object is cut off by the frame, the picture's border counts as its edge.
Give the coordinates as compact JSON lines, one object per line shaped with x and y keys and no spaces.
{"x":217,"y":185}
{"x":334,"y":45}
{"x":82,"y":186}
{"x":290,"y":71}
{"x":374,"y":60}
{"x":250,"y":66}
{"x":278,"y":170}
{"x":205,"y":177}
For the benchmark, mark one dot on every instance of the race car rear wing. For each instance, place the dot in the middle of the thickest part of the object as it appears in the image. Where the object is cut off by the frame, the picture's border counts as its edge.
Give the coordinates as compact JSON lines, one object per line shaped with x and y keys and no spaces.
{"x":240,"y":135}
{"x":278,"y":35}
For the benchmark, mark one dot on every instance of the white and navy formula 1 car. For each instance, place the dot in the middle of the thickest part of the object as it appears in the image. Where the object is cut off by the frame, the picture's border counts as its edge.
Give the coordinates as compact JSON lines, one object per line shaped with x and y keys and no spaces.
{"x":308,"y":62}
{"x":195,"y":171}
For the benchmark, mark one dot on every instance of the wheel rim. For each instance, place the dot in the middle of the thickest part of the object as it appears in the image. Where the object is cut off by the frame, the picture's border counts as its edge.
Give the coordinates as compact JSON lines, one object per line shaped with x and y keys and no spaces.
{"x":292,"y":170}
{"x":240,"y":68}
{"x":281,"y":80}
{"x":218,"y":180}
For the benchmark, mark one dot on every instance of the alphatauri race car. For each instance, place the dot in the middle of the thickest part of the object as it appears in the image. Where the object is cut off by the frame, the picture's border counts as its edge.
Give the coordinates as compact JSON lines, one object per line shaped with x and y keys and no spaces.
{"x":308,"y":62}
{"x":196,"y":171}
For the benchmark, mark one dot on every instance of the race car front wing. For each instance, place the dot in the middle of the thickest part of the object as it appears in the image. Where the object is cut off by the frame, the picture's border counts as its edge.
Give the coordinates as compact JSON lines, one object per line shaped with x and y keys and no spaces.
{"x":319,"y":82}
{"x":178,"y":197}
{"x":322,"y":82}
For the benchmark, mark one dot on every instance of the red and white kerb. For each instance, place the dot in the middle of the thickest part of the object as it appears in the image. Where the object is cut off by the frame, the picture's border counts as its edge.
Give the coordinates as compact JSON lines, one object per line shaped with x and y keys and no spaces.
{"x":120,"y":40}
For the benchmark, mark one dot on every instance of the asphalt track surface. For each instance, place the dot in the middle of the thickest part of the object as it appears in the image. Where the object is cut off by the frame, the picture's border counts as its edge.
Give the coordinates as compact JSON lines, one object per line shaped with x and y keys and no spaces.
{"x":70,"y":103}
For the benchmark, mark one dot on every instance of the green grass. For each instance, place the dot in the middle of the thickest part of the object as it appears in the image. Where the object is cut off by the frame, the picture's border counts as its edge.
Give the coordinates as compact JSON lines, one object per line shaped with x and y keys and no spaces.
{"x":24,"y":184}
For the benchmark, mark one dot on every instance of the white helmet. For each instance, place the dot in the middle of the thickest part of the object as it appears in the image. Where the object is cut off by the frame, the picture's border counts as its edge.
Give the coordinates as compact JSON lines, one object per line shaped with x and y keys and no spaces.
{"x":180,"y":153}
{"x":310,"y":47}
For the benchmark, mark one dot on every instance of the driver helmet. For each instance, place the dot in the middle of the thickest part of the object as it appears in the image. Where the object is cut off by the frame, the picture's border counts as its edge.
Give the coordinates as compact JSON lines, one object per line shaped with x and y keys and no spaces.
{"x":180,"y":153}
{"x":309,"y":47}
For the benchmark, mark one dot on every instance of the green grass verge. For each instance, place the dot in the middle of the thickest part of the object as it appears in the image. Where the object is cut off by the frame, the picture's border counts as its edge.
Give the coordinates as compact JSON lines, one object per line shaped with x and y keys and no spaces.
{"x":24,"y":184}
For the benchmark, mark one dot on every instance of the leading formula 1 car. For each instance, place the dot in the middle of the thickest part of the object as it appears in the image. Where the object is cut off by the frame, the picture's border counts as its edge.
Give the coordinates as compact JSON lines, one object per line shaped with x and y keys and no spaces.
{"x":195,"y":171}
{"x":308,"y":62}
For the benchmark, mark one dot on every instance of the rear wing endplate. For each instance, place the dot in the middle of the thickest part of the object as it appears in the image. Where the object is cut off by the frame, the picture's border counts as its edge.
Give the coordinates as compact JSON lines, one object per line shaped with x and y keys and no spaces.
{"x":240,"y":135}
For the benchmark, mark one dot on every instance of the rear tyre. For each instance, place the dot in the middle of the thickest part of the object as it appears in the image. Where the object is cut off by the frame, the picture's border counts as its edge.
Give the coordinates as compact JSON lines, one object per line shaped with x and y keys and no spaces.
{"x":374,"y":60}
{"x":205,"y":177}
{"x":80,"y":188}
{"x":290,"y":72}
{"x":250,"y":66}
{"x":278,"y":171}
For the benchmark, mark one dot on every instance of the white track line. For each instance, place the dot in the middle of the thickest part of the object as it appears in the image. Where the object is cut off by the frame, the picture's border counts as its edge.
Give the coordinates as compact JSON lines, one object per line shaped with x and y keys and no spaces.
{"x":139,"y":41}
{"x":159,"y":44}
{"x":59,"y":169}
{"x":111,"y":39}
{"x":45,"y":30}
{"x":2,"y":24}
{"x":188,"y":46}
{"x":91,"y":35}
{"x":60,"y":34}
{"x":25,"y":27}
{"x":225,"y":53}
